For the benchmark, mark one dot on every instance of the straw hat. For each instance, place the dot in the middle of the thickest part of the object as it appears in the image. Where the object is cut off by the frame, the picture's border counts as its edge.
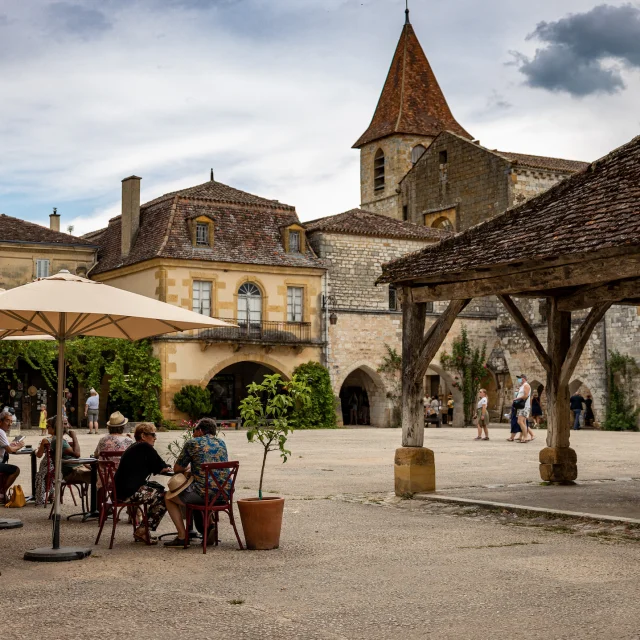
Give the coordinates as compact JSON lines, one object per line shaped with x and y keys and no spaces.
{"x":177,"y":484}
{"x":117,"y":420}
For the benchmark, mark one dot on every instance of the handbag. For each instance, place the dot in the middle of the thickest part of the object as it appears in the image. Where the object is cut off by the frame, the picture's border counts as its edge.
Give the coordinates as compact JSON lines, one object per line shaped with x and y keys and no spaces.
{"x":519,"y":403}
{"x":16,"y":498}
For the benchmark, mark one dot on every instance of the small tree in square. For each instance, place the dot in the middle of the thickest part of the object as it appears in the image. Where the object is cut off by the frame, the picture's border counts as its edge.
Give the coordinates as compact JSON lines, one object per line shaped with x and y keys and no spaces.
{"x":469,"y":363}
{"x":267,"y":411}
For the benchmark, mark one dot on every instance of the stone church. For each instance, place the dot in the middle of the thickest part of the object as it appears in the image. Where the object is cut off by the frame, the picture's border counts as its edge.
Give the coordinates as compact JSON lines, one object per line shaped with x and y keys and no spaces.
{"x":423,"y":176}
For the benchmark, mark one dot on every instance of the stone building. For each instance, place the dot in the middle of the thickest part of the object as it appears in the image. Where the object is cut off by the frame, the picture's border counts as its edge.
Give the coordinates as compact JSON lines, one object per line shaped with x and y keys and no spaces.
{"x":29,"y":251}
{"x":368,"y":318}
{"x":225,"y":253}
{"x":419,"y":165}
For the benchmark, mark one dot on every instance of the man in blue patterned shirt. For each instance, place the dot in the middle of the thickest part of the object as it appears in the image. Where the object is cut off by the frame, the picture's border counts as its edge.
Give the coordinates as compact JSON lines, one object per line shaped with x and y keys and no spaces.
{"x":203,"y":448}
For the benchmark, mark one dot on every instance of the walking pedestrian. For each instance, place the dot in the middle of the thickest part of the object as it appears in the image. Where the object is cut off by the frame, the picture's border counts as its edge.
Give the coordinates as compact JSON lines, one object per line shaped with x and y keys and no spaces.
{"x":536,"y":410}
{"x":575,"y":403}
{"x":523,"y":407}
{"x":589,"y":416}
{"x":482,"y":415}
{"x":91,"y":411}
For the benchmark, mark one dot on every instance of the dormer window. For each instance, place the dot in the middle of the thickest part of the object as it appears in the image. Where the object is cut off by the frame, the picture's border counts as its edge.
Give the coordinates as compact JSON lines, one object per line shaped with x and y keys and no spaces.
{"x":202,"y":234}
{"x":294,"y":242}
{"x":293,"y":238}
{"x":201,"y":230}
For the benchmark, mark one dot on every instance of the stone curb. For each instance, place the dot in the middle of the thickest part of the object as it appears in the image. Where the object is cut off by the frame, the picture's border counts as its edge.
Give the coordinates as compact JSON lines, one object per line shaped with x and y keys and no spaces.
{"x":525,"y":509}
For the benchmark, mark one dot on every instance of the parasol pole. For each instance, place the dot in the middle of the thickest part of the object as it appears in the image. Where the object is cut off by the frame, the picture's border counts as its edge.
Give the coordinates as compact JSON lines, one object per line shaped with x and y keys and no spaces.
{"x":58,"y":453}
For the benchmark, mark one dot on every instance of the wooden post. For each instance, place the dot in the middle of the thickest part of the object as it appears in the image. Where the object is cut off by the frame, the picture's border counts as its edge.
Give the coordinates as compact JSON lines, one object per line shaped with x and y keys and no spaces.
{"x":413,"y":318}
{"x":415,"y":469}
{"x":558,"y":462}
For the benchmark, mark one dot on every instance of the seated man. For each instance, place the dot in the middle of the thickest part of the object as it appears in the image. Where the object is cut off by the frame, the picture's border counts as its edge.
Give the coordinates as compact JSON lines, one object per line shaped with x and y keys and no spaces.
{"x":203,"y":448}
{"x":10,"y":471}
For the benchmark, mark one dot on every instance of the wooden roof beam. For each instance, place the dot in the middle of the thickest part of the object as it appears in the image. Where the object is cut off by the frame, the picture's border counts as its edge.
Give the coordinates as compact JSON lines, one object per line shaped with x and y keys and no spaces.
{"x":591,"y":294}
{"x":569,"y":275}
{"x":526,"y":328}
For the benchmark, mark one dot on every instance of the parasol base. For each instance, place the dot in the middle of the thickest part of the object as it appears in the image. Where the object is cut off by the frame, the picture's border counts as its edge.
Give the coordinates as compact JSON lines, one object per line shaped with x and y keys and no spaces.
{"x":10,"y":523}
{"x":63,"y":554}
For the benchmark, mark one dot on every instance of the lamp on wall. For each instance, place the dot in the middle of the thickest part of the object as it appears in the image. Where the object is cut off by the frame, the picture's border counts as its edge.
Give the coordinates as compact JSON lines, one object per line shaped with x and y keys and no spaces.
{"x":329,"y":302}
{"x":333,"y":318}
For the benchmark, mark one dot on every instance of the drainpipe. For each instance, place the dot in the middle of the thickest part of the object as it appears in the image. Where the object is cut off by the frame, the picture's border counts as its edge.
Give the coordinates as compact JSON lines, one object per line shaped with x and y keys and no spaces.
{"x":606,"y":362}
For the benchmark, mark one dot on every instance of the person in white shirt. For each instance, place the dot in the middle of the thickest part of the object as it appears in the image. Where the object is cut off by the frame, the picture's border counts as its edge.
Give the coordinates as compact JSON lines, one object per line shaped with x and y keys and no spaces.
{"x":91,"y":411}
{"x":9,"y":471}
{"x":482,"y":415}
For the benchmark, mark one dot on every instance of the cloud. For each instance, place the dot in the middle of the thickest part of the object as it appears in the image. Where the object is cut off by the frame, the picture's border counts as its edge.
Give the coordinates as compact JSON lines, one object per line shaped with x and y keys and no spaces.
{"x":77,"y":20}
{"x":579,"y":51}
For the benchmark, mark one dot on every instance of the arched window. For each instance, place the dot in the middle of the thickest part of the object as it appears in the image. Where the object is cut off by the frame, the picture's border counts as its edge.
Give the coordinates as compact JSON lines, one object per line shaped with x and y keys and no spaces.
{"x":378,"y":170}
{"x":416,"y":153}
{"x":443,"y":223}
{"x":249,"y":305}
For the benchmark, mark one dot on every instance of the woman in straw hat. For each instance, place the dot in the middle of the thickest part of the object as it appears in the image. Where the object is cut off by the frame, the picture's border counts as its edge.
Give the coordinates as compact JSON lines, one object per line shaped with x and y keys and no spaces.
{"x":115,"y":441}
{"x":137,"y":463}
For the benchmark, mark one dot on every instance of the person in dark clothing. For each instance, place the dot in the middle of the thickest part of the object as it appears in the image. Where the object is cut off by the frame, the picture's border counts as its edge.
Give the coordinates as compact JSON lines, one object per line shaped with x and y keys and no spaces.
{"x":589,"y":416}
{"x":575,"y":402}
{"x":137,"y":463}
{"x":515,"y":425}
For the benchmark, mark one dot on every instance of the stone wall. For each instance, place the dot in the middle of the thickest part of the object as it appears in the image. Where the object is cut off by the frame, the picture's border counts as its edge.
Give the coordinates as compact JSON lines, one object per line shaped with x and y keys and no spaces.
{"x":472,"y":180}
{"x":397,"y":153}
{"x":527,"y":183}
{"x":354,"y":264}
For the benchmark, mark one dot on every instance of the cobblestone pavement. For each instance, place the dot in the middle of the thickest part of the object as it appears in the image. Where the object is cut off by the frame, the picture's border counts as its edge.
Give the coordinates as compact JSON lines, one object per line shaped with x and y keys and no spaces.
{"x":355,"y":561}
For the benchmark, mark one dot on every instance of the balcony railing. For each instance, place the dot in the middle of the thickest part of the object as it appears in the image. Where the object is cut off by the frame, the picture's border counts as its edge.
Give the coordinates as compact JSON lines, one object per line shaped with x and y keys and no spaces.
{"x":266,"y":332}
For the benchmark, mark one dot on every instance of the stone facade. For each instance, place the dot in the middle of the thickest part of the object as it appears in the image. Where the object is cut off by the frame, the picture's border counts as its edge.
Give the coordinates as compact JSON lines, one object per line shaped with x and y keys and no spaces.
{"x":465,"y":183}
{"x":397,"y":151}
{"x":366,"y":324}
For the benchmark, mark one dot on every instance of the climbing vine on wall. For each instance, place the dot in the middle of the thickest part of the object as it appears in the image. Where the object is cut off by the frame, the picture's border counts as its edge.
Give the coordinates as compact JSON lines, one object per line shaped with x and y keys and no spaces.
{"x":391,"y":370}
{"x":469,"y":363}
{"x":621,"y":413}
{"x":135,"y":379}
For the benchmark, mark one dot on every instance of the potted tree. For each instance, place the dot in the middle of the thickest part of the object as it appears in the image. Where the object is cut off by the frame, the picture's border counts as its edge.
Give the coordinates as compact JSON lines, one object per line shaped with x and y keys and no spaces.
{"x":266,"y":413}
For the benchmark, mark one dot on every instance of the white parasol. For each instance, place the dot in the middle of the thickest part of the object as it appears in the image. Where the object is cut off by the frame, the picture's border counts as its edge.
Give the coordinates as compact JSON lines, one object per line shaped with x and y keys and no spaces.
{"x":65,"y":306}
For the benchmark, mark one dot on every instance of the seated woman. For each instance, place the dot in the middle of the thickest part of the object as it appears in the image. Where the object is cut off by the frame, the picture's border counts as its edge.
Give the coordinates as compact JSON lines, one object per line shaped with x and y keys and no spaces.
{"x":41,"y":476}
{"x":71,"y":474}
{"x":137,"y":463}
{"x":115,"y":441}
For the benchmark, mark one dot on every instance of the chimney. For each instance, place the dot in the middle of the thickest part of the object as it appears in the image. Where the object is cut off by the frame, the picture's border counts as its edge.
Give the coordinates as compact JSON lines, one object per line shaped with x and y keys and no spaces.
{"x":54,"y":220}
{"x":130,"y":221}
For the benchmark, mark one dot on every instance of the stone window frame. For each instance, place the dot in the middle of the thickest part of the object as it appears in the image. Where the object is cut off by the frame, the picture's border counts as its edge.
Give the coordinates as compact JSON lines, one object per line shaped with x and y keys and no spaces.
{"x":263,"y":291}
{"x":394,"y":303}
{"x":415,"y":151}
{"x":379,"y":165}
{"x":211,"y":295}
{"x":306,"y":306}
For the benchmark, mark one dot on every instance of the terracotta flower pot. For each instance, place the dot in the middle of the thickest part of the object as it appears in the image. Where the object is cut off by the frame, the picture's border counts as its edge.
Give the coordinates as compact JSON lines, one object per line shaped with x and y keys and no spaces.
{"x":261,"y":522}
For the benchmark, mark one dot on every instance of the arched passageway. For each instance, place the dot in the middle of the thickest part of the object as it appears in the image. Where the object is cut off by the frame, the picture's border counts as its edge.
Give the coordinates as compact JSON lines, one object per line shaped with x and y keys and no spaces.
{"x":363,"y":399}
{"x":439,"y":381}
{"x":229,"y":387}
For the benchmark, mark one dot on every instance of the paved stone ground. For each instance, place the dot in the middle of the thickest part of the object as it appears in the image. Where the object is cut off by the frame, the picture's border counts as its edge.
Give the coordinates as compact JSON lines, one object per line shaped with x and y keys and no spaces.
{"x":355,"y":562}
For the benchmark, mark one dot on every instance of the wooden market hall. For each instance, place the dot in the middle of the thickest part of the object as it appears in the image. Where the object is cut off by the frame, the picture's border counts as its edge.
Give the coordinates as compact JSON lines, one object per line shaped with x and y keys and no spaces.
{"x":577,"y":245}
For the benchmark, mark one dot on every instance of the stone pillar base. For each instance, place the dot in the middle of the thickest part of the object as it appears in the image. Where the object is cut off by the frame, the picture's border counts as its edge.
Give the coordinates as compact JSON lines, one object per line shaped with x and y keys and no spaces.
{"x":415,"y":471}
{"x":558,"y":464}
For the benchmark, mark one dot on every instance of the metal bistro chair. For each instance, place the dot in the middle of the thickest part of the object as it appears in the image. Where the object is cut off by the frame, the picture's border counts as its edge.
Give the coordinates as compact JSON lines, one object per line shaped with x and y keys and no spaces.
{"x":107,"y":472}
{"x":80,"y":487}
{"x":218,"y":496}
{"x":114,"y":456}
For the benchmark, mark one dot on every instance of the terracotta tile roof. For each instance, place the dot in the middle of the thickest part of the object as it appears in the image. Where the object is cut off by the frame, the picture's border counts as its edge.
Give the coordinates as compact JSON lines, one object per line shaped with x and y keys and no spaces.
{"x":219,"y":192}
{"x":598,"y":208}
{"x":543,"y":162}
{"x":411,"y":101}
{"x":247,"y":230}
{"x":360,"y":222}
{"x":16,"y":230}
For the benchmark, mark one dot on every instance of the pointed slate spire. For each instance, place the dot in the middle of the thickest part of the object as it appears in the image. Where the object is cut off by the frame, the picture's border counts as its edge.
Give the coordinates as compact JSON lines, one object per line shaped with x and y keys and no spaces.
{"x":411,"y":101}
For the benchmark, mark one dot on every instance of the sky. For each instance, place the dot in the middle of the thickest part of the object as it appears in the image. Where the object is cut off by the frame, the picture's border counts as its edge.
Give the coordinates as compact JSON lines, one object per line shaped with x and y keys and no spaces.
{"x":272,"y":94}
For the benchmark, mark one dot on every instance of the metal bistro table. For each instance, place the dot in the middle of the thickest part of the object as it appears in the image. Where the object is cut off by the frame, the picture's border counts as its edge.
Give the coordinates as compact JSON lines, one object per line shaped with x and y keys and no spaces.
{"x":93,"y":495}
{"x":32,"y":452}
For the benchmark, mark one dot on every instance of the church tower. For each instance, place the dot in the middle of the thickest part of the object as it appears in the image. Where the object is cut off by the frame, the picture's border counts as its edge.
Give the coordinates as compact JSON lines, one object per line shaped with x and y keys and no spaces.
{"x":411,"y":112}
